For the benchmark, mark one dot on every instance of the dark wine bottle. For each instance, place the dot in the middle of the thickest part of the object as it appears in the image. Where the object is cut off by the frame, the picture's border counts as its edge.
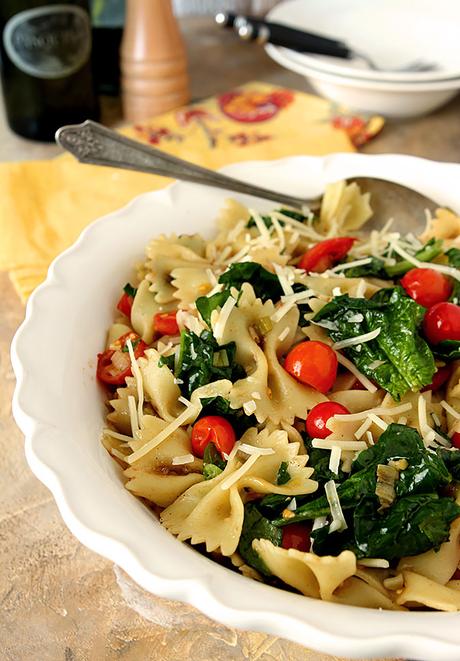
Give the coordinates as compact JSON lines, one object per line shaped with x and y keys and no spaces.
{"x":46,"y":65}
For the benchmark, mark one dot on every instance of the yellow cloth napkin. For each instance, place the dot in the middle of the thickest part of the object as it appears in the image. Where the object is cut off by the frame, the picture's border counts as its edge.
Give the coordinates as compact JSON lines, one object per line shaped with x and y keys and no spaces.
{"x":44,"y":205}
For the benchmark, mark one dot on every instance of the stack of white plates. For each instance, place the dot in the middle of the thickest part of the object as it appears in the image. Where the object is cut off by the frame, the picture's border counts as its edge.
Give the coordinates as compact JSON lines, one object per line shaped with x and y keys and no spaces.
{"x":393,"y":34}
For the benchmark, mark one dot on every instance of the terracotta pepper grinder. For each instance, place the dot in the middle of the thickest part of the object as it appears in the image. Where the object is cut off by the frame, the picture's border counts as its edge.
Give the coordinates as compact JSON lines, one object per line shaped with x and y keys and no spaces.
{"x":154,"y":75}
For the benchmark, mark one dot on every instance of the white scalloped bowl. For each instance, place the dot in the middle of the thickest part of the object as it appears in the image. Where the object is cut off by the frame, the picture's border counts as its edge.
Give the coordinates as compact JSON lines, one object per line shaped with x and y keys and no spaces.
{"x":59,"y":407}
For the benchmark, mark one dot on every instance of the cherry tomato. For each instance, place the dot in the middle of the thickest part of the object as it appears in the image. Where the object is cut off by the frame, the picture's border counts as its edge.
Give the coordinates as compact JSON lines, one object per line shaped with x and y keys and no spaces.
{"x":296,"y":536}
{"x":165,"y":323}
{"x":313,"y":363}
{"x":439,"y":379}
{"x":426,"y":286}
{"x":213,"y":429}
{"x":125,"y":304}
{"x":455,"y":440}
{"x":326,"y":254}
{"x":319,"y":415}
{"x":114,"y":365}
{"x":442,"y":322}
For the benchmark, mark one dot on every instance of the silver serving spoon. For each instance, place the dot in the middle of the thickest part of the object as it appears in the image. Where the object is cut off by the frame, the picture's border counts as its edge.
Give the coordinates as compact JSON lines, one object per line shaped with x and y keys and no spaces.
{"x":93,"y":143}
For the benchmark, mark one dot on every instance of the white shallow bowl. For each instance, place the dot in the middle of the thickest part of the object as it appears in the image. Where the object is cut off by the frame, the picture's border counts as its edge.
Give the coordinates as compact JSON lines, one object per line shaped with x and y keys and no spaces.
{"x":59,"y":407}
{"x":393,"y":33}
{"x":388,"y":98}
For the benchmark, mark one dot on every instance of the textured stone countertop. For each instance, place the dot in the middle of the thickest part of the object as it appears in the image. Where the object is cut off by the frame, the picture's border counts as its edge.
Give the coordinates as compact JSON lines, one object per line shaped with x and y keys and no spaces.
{"x":60,"y":601}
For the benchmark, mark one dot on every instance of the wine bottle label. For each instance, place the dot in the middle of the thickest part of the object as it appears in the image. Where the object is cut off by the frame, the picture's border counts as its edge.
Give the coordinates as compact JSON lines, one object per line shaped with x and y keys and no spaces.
{"x":52,"y":41}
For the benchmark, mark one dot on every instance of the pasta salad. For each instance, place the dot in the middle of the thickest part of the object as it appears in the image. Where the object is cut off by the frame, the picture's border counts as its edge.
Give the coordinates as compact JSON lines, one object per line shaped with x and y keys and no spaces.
{"x":286,"y":397}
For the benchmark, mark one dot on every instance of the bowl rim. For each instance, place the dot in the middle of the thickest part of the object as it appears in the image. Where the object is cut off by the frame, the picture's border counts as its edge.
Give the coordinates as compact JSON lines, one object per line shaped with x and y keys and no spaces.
{"x":281,"y":13}
{"x":282,"y":57}
{"x":216,"y":591}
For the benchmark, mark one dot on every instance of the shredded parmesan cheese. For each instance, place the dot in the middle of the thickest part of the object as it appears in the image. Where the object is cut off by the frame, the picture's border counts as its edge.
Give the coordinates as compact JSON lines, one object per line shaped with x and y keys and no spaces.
{"x":359,"y":339}
{"x":350,"y":265}
{"x":447,"y":270}
{"x":183,"y":459}
{"x":117,"y":435}
{"x":338,"y":520}
{"x":238,"y":474}
{"x":292,"y":505}
{"x":284,"y":333}
{"x":133,"y":415}
{"x":455,"y":414}
{"x":379,"y":563}
{"x":249,"y":407}
{"x":139,"y":383}
{"x":224,"y":314}
{"x":378,"y":421}
{"x":324,"y":444}
{"x":379,"y":410}
{"x":284,"y":282}
{"x":363,"y":429}
{"x":355,"y":371}
{"x":119,"y":455}
{"x":188,"y":414}
{"x":334,"y":459}
{"x":252,"y":449}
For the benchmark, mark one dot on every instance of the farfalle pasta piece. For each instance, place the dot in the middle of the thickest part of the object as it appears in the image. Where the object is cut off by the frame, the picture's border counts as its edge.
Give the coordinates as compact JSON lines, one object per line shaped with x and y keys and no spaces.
{"x":437,"y":565}
{"x":115,"y":331}
{"x":165,"y":255}
{"x":144,"y":308}
{"x":154,"y":476}
{"x":232,"y":216}
{"x":212,"y":512}
{"x":357,"y":592}
{"x":190,"y":282}
{"x":444,"y":225}
{"x":278,"y":395}
{"x":343,"y":208}
{"x":422,"y":591}
{"x":312,"y":575}
{"x":159,"y":386}
{"x":119,"y":417}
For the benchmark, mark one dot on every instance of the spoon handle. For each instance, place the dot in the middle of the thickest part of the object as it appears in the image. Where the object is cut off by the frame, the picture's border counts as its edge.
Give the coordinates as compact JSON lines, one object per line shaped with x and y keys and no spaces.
{"x":91,"y":142}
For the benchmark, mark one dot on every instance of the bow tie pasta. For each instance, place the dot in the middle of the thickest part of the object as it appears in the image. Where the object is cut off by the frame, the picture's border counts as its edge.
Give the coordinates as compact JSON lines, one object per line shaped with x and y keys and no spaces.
{"x":287,"y":396}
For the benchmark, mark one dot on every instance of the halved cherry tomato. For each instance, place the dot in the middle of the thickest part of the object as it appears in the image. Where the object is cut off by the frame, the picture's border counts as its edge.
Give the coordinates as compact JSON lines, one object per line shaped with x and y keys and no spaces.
{"x":313,"y":363}
{"x":442,"y":322}
{"x":439,"y":379}
{"x":213,"y":429}
{"x":165,"y":323}
{"x":455,"y":440}
{"x":125,"y":304}
{"x":326,"y":254}
{"x":296,"y":536}
{"x":113,"y":365}
{"x":319,"y":415}
{"x":426,"y":286}
{"x":456,"y":575}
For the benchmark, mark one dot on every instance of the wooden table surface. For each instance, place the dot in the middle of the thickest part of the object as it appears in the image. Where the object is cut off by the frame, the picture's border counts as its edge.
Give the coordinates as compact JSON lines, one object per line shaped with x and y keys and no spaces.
{"x":59,"y":600}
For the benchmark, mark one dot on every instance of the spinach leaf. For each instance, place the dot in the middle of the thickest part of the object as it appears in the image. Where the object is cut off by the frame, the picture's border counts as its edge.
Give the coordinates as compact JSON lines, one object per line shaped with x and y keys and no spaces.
{"x":453,"y":255}
{"x":130,"y":290}
{"x":168,"y":361}
{"x":407,"y":362}
{"x":425,"y":473}
{"x":206,"y":304}
{"x":266,"y":285}
{"x":447,"y":350}
{"x":196,"y":366}
{"x":283,"y":475}
{"x":451,"y":459}
{"x":427,"y":253}
{"x":256,"y":526}
{"x":304,"y":308}
{"x":319,"y":460}
{"x":374,"y":269}
{"x":237,"y":417}
{"x":213,"y":464}
{"x":411,"y":526}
